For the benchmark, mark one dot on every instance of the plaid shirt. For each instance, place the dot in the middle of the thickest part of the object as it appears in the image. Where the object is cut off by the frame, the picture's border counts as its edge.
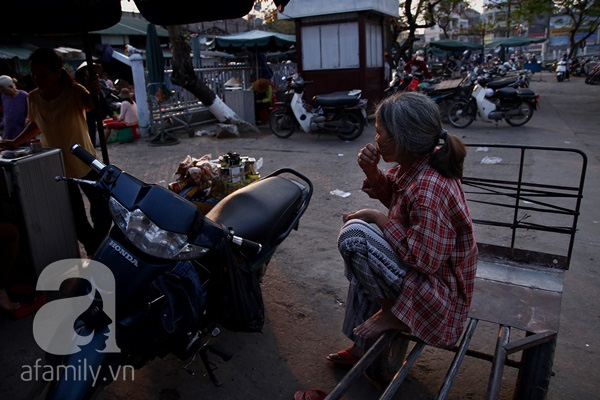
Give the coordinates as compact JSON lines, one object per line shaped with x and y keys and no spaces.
{"x":431,"y":229}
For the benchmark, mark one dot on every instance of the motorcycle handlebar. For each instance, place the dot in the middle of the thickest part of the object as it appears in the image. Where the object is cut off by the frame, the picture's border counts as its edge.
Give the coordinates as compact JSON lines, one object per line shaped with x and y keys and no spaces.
{"x":87,"y":158}
{"x":247,"y":245}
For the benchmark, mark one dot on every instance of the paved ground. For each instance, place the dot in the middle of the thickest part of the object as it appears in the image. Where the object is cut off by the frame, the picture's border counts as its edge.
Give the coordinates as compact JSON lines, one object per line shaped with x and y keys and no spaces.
{"x":305,"y":290}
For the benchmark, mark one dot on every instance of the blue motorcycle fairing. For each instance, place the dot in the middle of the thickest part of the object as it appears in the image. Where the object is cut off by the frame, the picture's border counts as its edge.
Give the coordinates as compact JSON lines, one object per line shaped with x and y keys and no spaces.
{"x":133,"y":270}
{"x":153,"y":200}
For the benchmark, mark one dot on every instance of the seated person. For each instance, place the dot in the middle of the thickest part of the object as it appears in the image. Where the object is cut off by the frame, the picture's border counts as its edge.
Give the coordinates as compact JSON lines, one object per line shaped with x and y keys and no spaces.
{"x":413,"y":267}
{"x":418,"y":65}
{"x":127,"y":117}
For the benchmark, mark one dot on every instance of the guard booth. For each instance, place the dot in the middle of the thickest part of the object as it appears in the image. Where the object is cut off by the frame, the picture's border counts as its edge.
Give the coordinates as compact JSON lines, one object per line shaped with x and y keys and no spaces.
{"x":340,"y":44}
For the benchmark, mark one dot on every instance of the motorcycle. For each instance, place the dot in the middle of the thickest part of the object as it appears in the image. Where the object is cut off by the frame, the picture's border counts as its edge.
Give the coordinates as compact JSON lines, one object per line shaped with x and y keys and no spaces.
{"x":342,"y":113}
{"x":561,"y":70}
{"x":446,"y":95}
{"x":170,"y":264}
{"x":493,"y":101}
{"x":403,"y":81}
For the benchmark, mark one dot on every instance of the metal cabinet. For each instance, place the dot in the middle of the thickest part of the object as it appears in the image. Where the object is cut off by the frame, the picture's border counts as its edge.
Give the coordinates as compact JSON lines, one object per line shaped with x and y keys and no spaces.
{"x":40,"y":207}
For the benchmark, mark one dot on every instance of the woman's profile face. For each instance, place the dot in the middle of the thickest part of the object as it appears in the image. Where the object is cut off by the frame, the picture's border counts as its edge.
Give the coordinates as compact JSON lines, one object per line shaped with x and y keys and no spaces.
{"x":385,"y":143}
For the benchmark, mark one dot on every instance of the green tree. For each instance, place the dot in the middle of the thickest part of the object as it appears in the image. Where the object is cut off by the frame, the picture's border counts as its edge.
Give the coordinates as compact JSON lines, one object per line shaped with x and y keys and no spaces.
{"x":481,"y":30}
{"x":414,"y":15}
{"x":517,"y":13}
{"x":583,"y":18}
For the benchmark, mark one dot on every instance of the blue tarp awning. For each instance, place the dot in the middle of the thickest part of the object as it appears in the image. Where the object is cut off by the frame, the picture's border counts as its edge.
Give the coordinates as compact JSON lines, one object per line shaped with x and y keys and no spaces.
{"x":255,"y":40}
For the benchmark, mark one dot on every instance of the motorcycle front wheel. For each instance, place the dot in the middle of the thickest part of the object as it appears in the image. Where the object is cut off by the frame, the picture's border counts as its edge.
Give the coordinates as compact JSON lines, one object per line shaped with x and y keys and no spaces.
{"x":351,"y":126}
{"x":461,"y":114}
{"x":281,"y":123}
{"x":525,"y":114}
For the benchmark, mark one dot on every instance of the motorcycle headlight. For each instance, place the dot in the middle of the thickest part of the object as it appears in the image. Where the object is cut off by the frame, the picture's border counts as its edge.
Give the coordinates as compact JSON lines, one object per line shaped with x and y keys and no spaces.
{"x":149,"y":238}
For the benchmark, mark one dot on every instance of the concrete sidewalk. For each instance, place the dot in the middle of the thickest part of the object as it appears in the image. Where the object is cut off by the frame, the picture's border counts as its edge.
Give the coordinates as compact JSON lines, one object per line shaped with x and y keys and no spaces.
{"x":305,"y":289}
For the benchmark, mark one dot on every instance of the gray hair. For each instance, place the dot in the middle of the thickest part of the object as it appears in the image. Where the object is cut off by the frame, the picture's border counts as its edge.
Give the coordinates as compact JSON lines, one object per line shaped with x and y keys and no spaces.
{"x":6,"y":82}
{"x":413,"y":120}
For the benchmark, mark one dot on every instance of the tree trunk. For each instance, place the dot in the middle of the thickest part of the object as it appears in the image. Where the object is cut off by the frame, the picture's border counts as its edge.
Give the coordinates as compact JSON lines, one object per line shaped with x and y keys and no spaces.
{"x":183,"y":75}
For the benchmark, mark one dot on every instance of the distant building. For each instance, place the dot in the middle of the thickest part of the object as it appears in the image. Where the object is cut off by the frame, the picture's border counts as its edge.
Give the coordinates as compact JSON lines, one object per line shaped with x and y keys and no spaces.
{"x":456,"y":26}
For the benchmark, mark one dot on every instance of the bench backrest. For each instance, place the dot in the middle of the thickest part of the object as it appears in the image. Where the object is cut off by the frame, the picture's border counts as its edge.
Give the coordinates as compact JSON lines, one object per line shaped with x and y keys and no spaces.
{"x":525,"y":201}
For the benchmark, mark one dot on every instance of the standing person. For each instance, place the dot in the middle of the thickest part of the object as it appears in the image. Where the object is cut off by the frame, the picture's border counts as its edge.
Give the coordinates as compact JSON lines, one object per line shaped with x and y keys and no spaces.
{"x":57,"y":110}
{"x":82,"y":76}
{"x":387,"y":69}
{"x":14,"y":108}
{"x":128,"y":115}
{"x":413,"y":268}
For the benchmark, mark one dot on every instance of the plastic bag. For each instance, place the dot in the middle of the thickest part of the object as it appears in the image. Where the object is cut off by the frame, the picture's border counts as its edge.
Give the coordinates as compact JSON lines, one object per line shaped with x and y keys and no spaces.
{"x":241,"y":307}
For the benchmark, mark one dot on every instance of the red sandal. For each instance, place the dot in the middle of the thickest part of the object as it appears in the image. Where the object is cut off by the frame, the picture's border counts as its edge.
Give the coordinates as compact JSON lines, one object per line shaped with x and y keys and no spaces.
{"x":312,"y":394}
{"x":342,"y":358}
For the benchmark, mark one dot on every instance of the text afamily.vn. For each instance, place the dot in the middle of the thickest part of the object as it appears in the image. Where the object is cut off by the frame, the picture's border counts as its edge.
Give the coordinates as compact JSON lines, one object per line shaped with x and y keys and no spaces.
{"x":79,"y":372}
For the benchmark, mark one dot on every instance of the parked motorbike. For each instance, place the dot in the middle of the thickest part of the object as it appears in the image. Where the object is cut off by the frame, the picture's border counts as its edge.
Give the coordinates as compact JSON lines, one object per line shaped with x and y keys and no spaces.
{"x":341,"y":113}
{"x":446,"y":95}
{"x":170,"y":263}
{"x":561,"y":70}
{"x":492,"y":101}
{"x":403,"y":81}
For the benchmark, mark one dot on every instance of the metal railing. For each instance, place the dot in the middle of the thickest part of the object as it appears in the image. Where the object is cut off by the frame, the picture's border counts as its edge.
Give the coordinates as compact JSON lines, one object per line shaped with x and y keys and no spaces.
{"x":181,"y":105}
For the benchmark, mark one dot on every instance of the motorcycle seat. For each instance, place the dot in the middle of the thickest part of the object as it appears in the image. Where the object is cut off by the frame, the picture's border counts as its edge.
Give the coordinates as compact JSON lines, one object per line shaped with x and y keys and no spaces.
{"x":526,"y":92}
{"x":500,"y":83}
{"x":336,"y":99}
{"x":260,"y":211}
{"x":506,"y":93}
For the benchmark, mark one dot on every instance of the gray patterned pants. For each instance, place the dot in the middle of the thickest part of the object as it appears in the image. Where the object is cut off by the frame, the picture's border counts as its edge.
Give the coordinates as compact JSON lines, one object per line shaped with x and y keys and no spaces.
{"x":374,"y":270}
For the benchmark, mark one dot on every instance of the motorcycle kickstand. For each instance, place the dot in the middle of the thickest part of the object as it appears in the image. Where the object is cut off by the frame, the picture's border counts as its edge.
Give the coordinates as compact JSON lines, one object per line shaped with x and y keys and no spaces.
{"x":210,"y":366}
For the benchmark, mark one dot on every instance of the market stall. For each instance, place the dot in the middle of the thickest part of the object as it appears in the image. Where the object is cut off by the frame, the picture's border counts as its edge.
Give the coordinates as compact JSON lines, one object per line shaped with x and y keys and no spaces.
{"x":206,"y":181}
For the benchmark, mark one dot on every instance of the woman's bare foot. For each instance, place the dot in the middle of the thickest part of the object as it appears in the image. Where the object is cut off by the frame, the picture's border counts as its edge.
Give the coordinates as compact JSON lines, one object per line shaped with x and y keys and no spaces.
{"x":5,"y":302}
{"x":382,"y":321}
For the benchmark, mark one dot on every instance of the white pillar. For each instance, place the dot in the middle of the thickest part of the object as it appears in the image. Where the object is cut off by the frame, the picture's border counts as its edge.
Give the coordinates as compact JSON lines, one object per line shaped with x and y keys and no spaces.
{"x":139,"y":84}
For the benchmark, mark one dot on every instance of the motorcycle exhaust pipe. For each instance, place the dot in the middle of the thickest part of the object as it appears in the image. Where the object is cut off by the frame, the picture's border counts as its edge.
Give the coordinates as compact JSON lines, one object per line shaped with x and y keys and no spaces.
{"x":514,"y":113}
{"x":495,"y":115}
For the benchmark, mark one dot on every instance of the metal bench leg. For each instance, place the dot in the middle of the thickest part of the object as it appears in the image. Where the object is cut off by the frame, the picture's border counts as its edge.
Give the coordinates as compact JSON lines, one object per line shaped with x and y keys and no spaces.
{"x":361,"y":365}
{"x":458,"y":359}
{"x":493,"y":391}
{"x":401,"y":375}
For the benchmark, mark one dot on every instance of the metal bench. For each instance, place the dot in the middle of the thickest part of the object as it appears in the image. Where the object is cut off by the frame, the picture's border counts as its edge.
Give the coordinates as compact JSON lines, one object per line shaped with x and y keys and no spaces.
{"x":516,"y":289}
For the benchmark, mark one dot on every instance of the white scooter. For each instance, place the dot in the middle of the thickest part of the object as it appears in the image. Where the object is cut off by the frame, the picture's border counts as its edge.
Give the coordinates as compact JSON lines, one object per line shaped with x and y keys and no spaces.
{"x":493,"y":103}
{"x":561,"y":70}
{"x":341,"y":113}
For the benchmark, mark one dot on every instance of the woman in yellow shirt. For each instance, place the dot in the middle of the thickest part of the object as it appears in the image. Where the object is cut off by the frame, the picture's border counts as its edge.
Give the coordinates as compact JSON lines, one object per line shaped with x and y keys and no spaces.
{"x":57,"y":110}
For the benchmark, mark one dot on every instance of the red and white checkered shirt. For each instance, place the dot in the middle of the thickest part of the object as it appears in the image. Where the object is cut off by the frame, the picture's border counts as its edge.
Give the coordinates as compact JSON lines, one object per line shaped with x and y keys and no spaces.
{"x":431,"y":229}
